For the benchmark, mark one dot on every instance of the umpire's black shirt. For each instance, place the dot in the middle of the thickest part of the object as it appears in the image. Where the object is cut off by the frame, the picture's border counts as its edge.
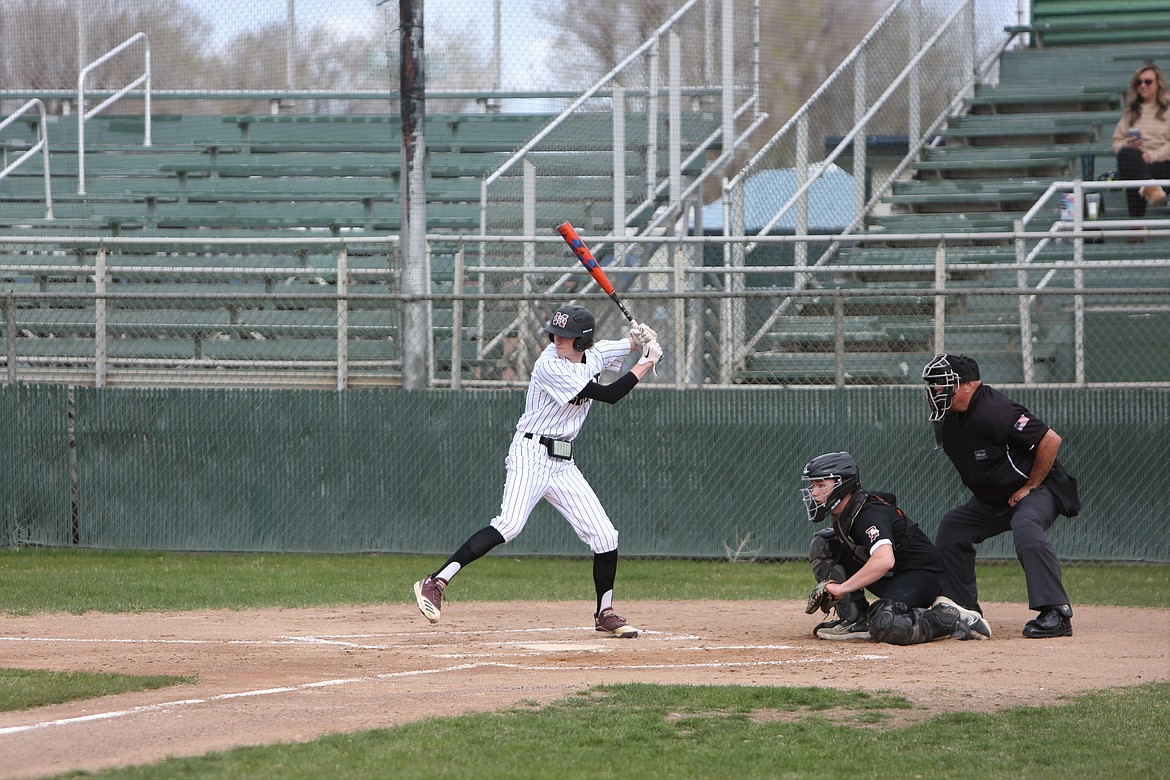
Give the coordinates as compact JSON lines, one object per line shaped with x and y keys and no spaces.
{"x":992,"y":444}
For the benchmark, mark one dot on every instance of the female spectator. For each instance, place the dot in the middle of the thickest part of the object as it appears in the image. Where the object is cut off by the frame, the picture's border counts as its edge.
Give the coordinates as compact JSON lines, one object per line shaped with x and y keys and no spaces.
{"x":1142,"y":138}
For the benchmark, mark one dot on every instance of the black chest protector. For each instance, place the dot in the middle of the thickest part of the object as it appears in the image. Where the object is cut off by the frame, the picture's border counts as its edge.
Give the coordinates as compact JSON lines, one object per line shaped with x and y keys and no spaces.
{"x":843,"y":524}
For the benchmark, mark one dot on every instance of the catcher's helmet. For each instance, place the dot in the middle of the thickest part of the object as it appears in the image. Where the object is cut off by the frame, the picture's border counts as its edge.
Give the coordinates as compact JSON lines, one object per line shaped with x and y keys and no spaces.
{"x":574,"y":322}
{"x":833,"y":465}
{"x":943,"y":375}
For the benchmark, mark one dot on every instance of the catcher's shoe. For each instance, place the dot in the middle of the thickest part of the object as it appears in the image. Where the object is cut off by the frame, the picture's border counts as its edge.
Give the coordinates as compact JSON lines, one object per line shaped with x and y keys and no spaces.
{"x":842,"y":629}
{"x":609,"y":622}
{"x":977,"y":625}
{"x":1051,"y":622}
{"x":428,"y":594}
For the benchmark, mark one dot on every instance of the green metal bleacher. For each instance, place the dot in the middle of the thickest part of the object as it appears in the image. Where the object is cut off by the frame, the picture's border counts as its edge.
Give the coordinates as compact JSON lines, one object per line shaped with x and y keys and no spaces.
{"x":258,"y":176}
{"x":1049,"y":118}
{"x":1060,"y":23}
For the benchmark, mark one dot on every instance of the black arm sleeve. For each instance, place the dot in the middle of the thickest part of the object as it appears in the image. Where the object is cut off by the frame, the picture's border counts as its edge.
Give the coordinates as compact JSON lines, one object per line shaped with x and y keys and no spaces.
{"x":611,"y":393}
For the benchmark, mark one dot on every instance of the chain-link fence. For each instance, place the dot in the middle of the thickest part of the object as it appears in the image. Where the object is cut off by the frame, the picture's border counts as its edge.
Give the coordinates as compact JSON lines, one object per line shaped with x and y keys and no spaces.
{"x":327,"y":313}
{"x":714,"y":474}
{"x":233,"y":257}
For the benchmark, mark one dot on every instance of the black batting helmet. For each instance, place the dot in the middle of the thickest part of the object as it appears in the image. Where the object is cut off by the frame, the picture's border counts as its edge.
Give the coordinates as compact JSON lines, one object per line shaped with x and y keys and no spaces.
{"x":833,"y":465}
{"x":572,"y":322}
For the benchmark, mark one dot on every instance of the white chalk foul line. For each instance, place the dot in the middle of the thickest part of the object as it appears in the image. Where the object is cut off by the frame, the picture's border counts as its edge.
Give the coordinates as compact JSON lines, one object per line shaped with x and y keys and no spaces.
{"x":227,"y":697}
{"x":417,"y":673}
{"x":339,"y":640}
{"x":80,"y":640}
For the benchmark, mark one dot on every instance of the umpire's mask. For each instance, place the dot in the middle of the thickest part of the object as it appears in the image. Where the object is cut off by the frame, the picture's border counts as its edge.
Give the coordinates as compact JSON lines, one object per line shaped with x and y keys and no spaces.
{"x":943,"y":375}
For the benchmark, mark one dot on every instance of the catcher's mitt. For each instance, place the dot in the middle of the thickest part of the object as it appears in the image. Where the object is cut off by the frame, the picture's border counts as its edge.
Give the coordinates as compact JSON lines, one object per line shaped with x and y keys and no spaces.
{"x":820,"y":598}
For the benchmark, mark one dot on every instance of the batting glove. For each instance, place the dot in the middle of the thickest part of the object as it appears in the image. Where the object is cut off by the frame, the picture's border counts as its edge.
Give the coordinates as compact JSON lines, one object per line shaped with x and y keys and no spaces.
{"x":642,"y":334}
{"x":651,"y":353}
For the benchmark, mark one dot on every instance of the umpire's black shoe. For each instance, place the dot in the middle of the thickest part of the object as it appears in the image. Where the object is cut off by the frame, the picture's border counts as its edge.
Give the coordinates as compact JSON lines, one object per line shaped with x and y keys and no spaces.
{"x":1052,"y":621}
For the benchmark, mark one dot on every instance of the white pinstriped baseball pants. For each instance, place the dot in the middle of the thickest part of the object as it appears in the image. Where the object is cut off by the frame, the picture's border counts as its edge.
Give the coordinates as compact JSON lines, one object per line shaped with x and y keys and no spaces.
{"x":533,"y":475}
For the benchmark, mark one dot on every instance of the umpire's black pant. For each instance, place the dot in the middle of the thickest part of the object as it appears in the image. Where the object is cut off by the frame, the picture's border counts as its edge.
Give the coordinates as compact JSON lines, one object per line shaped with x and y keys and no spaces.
{"x":973,"y":522}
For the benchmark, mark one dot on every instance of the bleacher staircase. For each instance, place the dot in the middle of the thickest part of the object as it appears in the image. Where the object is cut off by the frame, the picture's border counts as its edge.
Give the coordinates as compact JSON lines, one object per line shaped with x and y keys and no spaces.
{"x":1049,"y":118}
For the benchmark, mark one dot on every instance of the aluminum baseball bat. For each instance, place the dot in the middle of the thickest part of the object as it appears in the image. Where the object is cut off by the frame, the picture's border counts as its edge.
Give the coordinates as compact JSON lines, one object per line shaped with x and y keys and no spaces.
{"x":590,"y":262}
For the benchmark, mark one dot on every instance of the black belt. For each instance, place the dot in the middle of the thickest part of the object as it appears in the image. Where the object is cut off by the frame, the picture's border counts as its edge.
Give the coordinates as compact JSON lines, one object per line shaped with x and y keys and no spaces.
{"x":557,"y":448}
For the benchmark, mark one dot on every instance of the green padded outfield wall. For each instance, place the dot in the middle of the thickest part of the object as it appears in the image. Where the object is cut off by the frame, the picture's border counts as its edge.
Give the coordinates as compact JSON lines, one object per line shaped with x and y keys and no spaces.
{"x":693,"y":473}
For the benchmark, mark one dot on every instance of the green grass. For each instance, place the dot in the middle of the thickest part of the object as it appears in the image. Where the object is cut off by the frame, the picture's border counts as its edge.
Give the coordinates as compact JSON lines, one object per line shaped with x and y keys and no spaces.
{"x":39,"y":580}
{"x":24,"y":688}
{"x":639,"y":730}
{"x":665,"y":731}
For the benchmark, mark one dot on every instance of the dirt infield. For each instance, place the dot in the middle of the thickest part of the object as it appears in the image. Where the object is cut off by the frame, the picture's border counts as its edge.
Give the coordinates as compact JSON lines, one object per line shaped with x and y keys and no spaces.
{"x":293,"y":675}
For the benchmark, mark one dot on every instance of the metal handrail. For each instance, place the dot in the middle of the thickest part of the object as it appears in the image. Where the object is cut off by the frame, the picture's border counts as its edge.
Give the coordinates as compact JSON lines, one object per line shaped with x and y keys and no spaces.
{"x":678,"y":194}
{"x":41,"y":146}
{"x":861,"y":123}
{"x":83,"y":115}
{"x":801,"y":116}
{"x":586,"y":95}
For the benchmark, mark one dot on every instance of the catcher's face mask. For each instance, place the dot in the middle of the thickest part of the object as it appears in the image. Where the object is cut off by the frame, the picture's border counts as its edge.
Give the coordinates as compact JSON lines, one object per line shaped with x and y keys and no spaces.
{"x":942,"y":382}
{"x":820,"y":497}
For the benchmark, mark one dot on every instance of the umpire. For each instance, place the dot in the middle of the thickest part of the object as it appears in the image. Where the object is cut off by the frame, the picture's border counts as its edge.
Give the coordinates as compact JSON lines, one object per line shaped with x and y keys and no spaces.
{"x":1006,"y":456}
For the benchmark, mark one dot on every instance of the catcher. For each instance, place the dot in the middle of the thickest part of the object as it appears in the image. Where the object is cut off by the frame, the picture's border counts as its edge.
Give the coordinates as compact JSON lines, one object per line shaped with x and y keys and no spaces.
{"x":873,"y":545}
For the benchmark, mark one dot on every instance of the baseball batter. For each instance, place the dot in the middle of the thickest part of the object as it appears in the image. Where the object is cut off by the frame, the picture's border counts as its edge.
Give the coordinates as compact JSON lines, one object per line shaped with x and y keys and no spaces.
{"x":540,"y":462}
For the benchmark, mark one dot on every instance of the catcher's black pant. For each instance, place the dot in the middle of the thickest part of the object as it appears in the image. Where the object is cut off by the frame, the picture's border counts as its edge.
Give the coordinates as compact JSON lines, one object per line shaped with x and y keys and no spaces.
{"x":968,"y":524}
{"x":915,"y":588}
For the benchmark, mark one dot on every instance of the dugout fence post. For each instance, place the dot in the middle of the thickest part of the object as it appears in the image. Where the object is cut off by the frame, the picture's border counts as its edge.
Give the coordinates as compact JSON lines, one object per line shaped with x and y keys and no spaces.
{"x":10,"y":335}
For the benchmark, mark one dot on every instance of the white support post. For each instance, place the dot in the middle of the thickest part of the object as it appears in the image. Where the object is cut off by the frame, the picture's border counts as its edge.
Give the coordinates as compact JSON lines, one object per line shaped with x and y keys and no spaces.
{"x":99,"y":323}
{"x":675,"y":101}
{"x":1079,"y":282}
{"x":940,"y":300}
{"x":10,"y":336}
{"x":727,"y":348}
{"x":527,"y":308}
{"x":683,"y":361}
{"x":652,"y":124}
{"x":457,"y":321}
{"x":860,"y":139}
{"x":342,"y":319}
{"x":734,"y":224}
{"x":800,"y":248}
{"x":727,"y":86}
{"x":1026,"y":365}
{"x":914,"y":86}
{"x":619,"y":172}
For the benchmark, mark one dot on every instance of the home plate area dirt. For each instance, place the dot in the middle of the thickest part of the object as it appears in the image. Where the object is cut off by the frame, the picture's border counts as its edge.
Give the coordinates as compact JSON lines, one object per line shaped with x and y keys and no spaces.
{"x":294,"y":675}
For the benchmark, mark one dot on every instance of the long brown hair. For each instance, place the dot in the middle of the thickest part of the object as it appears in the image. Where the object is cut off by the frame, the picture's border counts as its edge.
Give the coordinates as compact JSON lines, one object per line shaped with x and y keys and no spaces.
{"x":1133,"y":101}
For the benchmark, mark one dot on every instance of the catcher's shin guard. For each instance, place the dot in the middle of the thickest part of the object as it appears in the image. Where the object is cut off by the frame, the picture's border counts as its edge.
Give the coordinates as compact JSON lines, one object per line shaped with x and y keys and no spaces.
{"x":896,"y":624}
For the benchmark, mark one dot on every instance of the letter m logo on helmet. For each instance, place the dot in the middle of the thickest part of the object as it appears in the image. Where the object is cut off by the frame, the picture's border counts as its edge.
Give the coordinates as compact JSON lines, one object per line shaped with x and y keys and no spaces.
{"x":573,"y":322}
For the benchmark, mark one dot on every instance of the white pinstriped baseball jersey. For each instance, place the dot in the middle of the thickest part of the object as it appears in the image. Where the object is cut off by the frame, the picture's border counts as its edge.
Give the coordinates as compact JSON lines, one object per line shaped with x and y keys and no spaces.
{"x":548,"y":407}
{"x":550,"y":411}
